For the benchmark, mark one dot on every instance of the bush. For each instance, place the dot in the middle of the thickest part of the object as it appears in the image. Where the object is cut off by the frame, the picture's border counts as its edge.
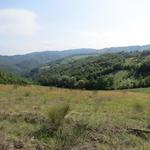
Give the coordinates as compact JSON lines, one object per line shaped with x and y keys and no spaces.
{"x":27,"y":94}
{"x":57,"y":114}
{"x":138,"y":107}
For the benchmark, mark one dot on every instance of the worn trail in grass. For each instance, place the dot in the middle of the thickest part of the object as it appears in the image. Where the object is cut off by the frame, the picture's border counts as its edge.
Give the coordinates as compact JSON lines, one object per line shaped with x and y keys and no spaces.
{"x":50,"y":118}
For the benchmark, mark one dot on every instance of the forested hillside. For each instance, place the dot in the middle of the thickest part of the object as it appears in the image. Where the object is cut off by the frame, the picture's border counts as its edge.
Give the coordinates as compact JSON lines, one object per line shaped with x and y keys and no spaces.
{"x":108,"y":71}
{"x":20,"y":64}
{"x":9,"y":78}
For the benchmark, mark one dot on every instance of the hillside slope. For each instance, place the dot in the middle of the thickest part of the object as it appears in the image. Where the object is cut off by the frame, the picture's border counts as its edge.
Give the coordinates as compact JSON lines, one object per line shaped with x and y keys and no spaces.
{"x":107,"y":71}
{"x":21,"y":64}
{"x":9,"y":78}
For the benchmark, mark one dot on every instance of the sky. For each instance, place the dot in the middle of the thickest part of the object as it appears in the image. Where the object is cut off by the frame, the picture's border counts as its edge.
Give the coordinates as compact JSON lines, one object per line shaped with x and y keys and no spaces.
{"x":38,"y":25}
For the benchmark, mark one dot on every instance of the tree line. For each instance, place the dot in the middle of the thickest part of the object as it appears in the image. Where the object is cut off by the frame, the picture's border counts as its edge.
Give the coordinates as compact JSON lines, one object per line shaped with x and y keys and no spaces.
{"x":108,"y":71}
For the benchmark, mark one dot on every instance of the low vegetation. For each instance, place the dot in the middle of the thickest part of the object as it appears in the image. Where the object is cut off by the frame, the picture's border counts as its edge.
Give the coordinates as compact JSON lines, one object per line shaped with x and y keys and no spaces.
{"x":34,"y":117}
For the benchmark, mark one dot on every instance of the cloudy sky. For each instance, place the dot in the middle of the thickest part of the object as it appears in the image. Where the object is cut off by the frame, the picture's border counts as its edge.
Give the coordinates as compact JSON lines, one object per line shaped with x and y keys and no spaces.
{"x":39,"y":25}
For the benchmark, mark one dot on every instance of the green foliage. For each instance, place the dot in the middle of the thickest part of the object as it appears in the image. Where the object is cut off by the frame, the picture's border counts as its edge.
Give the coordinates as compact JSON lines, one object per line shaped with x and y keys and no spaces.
{"x":108,"y":71}
{"x":8,"y":78}
{"x":27,"y":94}
{"x":56,"y":116}
{"x":57,"y":113}
{"x":22,"y":64}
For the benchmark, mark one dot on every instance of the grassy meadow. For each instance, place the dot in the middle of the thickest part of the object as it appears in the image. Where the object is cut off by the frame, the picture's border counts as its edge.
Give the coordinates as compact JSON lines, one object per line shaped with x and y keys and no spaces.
{"x":43,"y":118}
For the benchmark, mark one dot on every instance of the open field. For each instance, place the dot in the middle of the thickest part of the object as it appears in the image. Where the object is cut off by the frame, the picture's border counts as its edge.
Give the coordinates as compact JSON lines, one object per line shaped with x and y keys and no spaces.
{"x":35,"y":118}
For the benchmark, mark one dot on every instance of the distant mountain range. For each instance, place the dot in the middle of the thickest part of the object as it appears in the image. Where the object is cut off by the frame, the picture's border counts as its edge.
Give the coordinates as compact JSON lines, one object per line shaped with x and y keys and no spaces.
{"x":23,"y":63}
{"x":125,"y":49}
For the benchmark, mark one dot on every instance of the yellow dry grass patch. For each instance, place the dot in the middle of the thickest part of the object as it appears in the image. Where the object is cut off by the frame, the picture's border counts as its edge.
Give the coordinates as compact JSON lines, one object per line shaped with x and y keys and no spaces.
{"x":104,"y":115}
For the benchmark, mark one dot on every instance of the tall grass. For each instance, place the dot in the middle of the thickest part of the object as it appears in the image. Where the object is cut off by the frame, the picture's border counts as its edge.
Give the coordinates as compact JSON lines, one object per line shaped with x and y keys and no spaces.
{"x":62,"y":119}
{"x":57,"y":113}
{"x":56,"y":116}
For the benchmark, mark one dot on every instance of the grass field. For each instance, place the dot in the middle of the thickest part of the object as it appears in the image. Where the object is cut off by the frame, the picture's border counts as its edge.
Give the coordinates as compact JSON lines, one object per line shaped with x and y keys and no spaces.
{"x":43,"y":118}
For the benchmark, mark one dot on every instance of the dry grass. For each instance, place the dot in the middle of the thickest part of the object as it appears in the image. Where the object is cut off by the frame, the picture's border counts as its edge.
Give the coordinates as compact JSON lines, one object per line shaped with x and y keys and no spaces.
{"x":52,"y":118}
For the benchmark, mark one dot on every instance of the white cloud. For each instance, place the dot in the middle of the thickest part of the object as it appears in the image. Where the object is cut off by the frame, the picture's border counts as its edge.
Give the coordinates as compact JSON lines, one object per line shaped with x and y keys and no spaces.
{"x":18,"y":22}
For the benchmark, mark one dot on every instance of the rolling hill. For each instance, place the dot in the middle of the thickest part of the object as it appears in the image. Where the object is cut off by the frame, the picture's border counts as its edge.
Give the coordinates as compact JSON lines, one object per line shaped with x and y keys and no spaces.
{"x":105,"y":71}
{"x":21,"y":64}
{"x":9,"y":78}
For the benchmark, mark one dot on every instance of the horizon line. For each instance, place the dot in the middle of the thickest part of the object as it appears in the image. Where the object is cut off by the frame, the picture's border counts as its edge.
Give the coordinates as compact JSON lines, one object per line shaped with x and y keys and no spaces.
{"x":63,"y":50}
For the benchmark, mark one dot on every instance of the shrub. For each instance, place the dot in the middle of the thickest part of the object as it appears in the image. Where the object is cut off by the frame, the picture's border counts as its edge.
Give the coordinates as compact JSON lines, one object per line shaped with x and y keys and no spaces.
{"x":138,"y":107}
{"x":27,"y":94}
{"x":69,"y":135}
{"x":57,"y":114}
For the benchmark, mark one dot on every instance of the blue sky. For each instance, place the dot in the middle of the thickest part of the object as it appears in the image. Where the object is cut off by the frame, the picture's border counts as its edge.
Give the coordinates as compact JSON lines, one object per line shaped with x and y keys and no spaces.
{"x":39,"y":25}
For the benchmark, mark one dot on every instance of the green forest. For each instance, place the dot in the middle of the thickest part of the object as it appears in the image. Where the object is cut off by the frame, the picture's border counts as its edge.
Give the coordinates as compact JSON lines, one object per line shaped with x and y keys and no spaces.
{"x":9,"y":78}
{"x":107,"y":71}
{"x":121,"y":70}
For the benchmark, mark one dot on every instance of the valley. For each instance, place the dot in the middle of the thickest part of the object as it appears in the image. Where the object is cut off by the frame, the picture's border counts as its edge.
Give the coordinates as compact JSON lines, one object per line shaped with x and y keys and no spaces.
{"x":85,"y":101}
{"x":74,"y":75}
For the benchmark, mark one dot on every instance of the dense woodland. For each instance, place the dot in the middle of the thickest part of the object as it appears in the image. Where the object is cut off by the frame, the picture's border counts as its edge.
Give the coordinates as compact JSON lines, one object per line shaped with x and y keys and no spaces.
{"x":108,"y":71}
{"x":9,"y":78}
{"x":101,"y":71}
{"x":22,"y":64}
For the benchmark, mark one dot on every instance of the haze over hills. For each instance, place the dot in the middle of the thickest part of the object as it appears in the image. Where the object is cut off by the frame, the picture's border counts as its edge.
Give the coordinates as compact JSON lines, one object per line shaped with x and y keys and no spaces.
{"x":23,"y":63}
{"x":125,"y":48}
